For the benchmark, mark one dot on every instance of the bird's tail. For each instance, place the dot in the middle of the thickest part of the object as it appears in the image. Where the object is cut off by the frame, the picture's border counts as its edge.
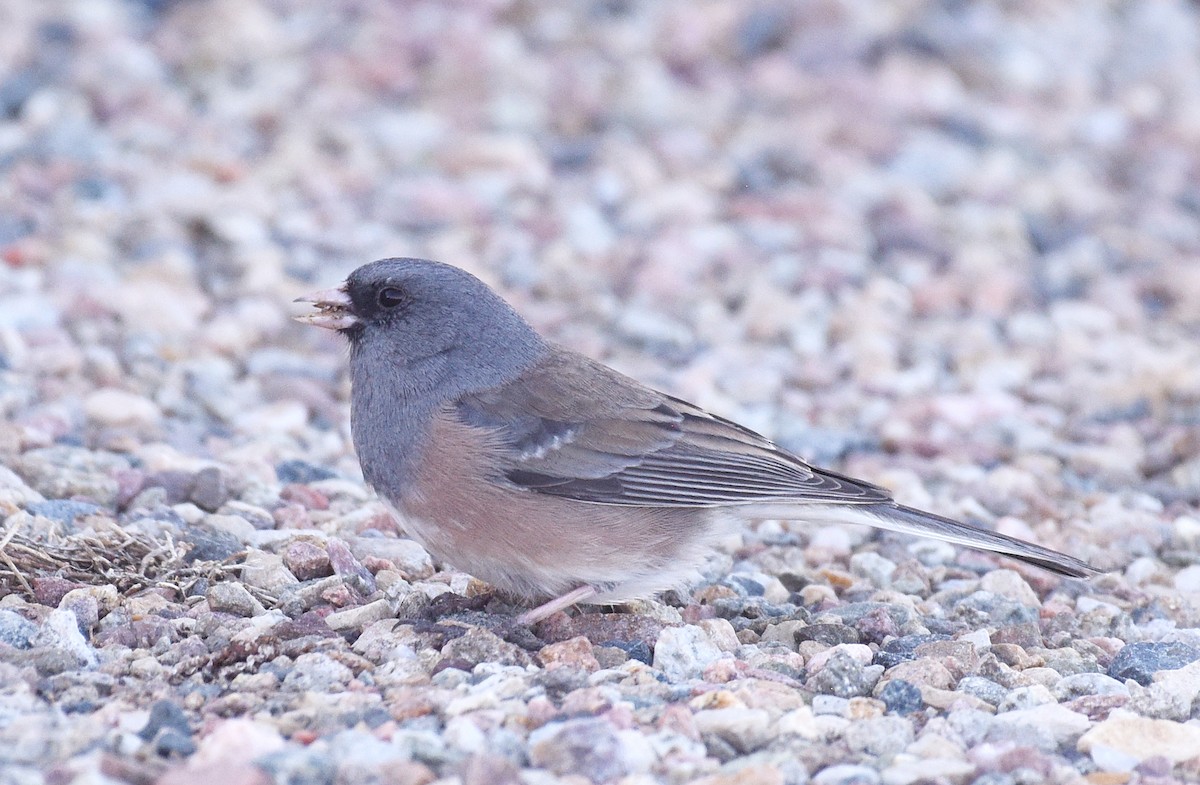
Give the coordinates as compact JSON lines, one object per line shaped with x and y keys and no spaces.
{"x":897,"y":517}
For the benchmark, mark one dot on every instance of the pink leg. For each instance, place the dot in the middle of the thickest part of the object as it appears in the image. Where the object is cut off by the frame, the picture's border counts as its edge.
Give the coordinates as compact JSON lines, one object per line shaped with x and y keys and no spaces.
{"x":556,"y":605}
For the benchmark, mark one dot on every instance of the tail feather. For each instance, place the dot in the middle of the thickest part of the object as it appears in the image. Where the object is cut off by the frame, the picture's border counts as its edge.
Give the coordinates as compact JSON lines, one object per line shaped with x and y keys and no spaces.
{"x":909,"y":520}
{"x":897,"y":517}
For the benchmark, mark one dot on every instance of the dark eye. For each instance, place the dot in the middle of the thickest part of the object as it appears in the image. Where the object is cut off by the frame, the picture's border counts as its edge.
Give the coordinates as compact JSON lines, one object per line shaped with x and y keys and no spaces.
{"x":390,"y":297}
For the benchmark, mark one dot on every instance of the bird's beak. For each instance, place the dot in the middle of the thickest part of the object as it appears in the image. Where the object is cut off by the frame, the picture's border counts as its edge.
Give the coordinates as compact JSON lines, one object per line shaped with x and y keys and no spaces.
{"x":333,"y":309}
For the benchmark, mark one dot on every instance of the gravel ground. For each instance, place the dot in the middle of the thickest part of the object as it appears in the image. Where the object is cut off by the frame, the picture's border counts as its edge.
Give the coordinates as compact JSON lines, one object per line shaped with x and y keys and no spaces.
{"x":947,"y":247}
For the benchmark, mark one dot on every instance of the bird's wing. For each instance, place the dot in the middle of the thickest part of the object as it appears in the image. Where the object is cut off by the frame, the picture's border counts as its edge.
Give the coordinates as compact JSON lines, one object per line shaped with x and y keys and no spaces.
{"x":575,"y":428}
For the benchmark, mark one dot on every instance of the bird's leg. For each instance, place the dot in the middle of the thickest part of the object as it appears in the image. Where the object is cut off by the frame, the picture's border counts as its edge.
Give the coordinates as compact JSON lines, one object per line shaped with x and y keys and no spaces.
{"x":556,"y":605}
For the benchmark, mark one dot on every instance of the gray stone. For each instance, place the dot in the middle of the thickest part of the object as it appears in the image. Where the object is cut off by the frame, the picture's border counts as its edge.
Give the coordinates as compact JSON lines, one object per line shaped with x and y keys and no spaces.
{"x":881,"y":737}
{"x":346,"y":565}
{"x":846,"y":774}
{"x":63,"y":510}
{"x":60,"y":633}
{"x":743,"y":729}
{"x":845,"y":677}
{"x":588,"y":748}
{"x":63,"y":472}
{"x":1058,"y":722}
{"x":228,"y":597}
{"x":298,"y":471}
{"x":683,"y":653}
{"x":267,"y":571}
{"x":1140,"y":661}
{"x":359,"y":616}
{"x":1026,"y":698}
{"x":209,"y":490}
{"x":873,"y":567}
{"x":901,"y":697}
{"x":984,"y":689}
{"x":16,"y":630}
{"x":317,"y":672}
{"x":478,"y":645}
{"x":1080,"y":684}
{"x":830,"y":704}
{"x":413,"y":561}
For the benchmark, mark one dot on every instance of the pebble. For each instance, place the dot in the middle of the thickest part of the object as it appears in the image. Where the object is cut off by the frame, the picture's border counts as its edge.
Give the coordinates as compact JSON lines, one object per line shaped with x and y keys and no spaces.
{"x":1124,"y":740}
{"x":575,"y":652}
{"x":873,"y":567}
{"x":800,"y":722}
{"x":923,"y":672}
{"x":589,"y":748}
{"x":856,"y":651}
{"x":879,"y":737}
{"x":307,"y":560}
{"x":63,"y":472}
{"x":384,"y":641}
{"x":168,"y":729}
{"x":903,"y":648}
{"x":785,"y":632}
{"x":1173,"y":695}
{"x":744,"y":729}
{"x":1026,"y":698}
{"x":1008,"y":583}
{"x":480,"y":769}
{"x":1187,"y":580}
{"x":233,"y":598}
{"x":49,"y":590}
{"x":258,"y":518}
{"x":1140,"y":661}
{"x":477,"y":645}
{"x":908,"y":771}
{"x":59,"y":637}
{"x":847,"y":774}
{"x":407,"y":556}
{"x":208,"y":490}
{"x":830,"y":704}
{"x":16,"y":630}
{"x":15,"y":494}
{"x":111,"y":406}
{"x":89,"y":603}
{"x":347,"y":566}
{"x":298,"y":471}
{"x":235,"y":741}
{"x":900,"y":697}
{"x":984,"y":689}
{"x":1081,"y":684}
{"x":307,"y":497}
{"x":268,"y":572}
{"x":1059,"y":722}
{"x":63,"y":510}
{"x":721,"y":633}
{"x":317,"y":672}
{"x":829,"y":634}
{"x":683,"y":653}
{"x":845,"y":675}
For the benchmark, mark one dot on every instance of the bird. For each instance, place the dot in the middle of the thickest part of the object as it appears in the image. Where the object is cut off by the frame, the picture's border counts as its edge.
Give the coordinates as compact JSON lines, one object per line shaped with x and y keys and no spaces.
{"x":553,"y":477}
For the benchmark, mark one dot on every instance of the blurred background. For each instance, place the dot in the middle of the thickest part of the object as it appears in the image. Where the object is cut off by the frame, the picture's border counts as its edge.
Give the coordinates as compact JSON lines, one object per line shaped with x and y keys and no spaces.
{"x":963,"y":233}
{"x":948,"y":246}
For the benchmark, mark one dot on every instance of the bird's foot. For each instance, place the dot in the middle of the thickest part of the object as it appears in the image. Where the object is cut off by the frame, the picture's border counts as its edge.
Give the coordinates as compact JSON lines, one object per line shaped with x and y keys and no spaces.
{"x":557,"y":604}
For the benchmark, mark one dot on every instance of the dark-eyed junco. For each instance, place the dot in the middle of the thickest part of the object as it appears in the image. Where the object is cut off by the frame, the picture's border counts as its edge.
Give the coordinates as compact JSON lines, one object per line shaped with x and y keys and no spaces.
{"x":554,"y":477}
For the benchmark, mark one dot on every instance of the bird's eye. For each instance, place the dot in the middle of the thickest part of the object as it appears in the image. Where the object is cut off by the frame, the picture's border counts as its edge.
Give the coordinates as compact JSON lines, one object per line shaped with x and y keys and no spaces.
{"x":390,"y":297}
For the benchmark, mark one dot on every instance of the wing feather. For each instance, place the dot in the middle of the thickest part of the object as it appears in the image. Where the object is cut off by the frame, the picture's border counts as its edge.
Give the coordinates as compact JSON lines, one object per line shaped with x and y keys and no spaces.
{"x":572,"y":427}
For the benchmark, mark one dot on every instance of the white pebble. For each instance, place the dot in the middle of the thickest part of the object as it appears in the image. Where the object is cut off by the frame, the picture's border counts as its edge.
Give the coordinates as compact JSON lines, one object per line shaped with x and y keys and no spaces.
{"x":111,"y":406}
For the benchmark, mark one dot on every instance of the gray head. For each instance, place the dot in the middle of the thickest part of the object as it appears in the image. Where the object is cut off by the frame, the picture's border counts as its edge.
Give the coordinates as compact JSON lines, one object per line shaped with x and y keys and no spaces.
{"x":440,"y":329}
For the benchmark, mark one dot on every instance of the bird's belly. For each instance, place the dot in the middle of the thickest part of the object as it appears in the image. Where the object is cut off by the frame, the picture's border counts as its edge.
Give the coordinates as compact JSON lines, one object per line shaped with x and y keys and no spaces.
{"x":560,"y":546}
{"x":539,"y":545}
